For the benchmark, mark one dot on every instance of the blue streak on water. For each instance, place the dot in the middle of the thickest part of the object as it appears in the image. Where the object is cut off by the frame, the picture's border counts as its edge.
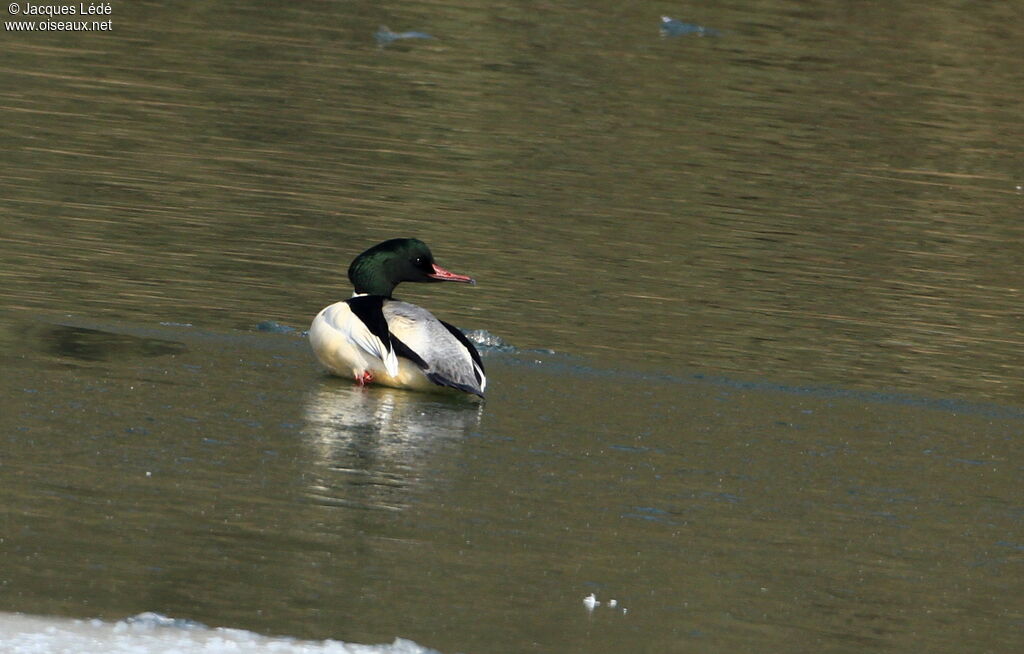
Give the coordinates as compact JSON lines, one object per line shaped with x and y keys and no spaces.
{"x":650,"y":509}
{"x":649,"y":513}
{"x":274,"y":327}
{"x":565,"y":365}
{"x":632,"y":449}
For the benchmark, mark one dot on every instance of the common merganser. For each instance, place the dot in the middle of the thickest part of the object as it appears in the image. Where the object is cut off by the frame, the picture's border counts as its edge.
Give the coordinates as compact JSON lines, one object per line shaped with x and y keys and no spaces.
{"x":377,"y":339}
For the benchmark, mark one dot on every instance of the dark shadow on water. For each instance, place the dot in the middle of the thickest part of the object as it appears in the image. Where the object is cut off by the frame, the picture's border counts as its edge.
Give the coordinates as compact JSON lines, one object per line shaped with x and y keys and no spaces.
{"x":86,"y":344}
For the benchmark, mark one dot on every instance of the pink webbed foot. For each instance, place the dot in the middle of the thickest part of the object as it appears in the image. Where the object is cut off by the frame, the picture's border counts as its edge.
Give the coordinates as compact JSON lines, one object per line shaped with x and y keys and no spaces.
{"x":365,"y":378}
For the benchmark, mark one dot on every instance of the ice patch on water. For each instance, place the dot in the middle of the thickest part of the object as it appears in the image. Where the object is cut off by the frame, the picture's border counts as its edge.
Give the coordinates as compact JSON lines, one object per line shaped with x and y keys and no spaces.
{"x":152,"y":633}
{"x":487,"y":341}
{"x":149,"y":621}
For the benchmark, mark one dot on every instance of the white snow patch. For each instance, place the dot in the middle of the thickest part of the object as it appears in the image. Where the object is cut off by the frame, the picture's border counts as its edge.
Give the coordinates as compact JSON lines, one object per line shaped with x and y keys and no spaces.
{"x":152,"y":633}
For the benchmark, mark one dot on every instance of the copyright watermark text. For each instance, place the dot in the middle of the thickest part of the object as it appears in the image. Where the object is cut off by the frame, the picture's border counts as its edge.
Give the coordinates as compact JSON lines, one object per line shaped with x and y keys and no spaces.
{"x":91,"y":17}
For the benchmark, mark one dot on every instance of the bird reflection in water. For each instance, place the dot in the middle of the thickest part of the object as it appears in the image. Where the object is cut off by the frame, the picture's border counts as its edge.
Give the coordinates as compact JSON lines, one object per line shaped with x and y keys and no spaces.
{"x":375,"y":446}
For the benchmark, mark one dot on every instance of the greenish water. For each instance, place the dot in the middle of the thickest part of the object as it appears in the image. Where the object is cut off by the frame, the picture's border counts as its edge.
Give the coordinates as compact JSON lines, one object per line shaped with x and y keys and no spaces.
{"x":764,"y":291}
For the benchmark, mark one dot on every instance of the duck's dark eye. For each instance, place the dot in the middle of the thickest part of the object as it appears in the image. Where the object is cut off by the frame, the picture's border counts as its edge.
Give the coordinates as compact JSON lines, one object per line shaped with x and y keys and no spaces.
{"x":419,"y":262}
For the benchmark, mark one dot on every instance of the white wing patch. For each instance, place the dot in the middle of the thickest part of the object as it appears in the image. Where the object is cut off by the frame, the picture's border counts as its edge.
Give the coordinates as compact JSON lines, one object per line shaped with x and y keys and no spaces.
{"x":352,"y":329}
{"x":364,"y":339}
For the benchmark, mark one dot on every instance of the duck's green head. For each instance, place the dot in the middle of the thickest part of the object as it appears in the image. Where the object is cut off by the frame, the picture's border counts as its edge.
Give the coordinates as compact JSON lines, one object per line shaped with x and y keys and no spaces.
{"x":381,"y":268}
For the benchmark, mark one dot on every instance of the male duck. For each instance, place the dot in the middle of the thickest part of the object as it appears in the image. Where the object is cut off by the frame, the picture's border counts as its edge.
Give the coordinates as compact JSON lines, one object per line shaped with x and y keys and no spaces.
{"x":377,"y":339}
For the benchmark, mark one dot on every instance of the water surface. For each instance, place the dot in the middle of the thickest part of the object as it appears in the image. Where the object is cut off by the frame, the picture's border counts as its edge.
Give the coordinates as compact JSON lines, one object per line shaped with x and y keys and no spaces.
{"x":762,"y":288}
